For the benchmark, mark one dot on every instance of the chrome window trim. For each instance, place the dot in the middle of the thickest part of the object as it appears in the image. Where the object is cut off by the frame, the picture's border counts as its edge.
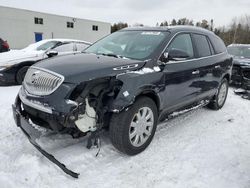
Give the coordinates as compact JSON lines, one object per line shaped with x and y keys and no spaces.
{"x":193,"y":59}
{"x":50,"y":72}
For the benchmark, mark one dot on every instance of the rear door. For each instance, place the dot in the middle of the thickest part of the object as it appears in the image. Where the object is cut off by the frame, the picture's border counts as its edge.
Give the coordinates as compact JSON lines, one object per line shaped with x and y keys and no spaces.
{"x":222,"y":62}
{"x":181,"y":77}
{"x":212,"y":65}
{"x":205,"y":59}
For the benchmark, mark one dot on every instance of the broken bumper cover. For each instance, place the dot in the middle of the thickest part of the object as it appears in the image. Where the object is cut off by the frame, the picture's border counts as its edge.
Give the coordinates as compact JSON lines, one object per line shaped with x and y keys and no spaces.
{"x":44,"y":115}
{"x":32,"y":134}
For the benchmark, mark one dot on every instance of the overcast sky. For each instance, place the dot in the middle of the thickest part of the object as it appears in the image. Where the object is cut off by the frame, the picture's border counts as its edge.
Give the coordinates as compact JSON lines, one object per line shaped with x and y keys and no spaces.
{"x":148,"y":12}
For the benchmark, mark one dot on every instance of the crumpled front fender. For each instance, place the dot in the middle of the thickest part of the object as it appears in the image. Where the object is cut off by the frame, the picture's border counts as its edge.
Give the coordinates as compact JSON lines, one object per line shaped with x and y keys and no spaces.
{"x":135,"y":84}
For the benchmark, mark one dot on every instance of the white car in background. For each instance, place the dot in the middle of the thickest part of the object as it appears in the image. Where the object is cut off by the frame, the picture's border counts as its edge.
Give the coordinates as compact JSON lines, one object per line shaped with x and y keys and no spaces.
{"x":15,"y":63}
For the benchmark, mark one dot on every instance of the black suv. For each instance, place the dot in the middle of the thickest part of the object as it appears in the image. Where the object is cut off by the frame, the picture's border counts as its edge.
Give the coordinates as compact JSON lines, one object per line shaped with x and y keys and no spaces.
{"x":127,"y":82}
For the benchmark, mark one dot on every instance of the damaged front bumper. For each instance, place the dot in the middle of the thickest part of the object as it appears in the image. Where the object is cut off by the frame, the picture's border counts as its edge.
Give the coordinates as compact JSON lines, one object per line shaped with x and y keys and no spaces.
{"x":33,"y":134}
{"x":55,"y":116}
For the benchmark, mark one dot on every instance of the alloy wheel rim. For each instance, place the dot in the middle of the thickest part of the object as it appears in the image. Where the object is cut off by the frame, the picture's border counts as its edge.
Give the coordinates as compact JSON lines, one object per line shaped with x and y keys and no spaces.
{"x":141,"y":126}
{"x":222,"y":94}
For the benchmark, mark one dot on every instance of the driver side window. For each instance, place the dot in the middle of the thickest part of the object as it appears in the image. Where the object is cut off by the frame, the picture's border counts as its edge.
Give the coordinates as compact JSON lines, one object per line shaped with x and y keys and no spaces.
{"x":183,"y":43}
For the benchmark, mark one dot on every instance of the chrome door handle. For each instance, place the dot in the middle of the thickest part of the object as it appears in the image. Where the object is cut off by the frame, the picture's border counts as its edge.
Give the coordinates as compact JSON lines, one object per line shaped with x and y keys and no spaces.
{"x":196,"y":72}
{"x":217,"y":66}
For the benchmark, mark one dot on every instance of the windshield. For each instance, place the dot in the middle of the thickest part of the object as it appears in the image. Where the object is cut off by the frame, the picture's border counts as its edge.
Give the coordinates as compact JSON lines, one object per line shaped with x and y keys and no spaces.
{"x":129,"y":44}
{"x":240,"y":51}
{"x":42,"y":45}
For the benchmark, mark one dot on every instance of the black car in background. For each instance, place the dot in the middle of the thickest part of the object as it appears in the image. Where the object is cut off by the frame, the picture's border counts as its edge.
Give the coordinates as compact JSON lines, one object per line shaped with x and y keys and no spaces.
{"x":127,"y":82}
{"x":241,"y":64}
{"x":4,"y":46}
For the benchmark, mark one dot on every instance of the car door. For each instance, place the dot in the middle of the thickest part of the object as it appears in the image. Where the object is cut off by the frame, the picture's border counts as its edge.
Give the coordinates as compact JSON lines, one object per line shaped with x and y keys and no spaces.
{"x":212,"y":65}
{"x":65,"y":48}
{"x":221,"y":61}
{"x":205,"y":59}
{"x":181,"y":76}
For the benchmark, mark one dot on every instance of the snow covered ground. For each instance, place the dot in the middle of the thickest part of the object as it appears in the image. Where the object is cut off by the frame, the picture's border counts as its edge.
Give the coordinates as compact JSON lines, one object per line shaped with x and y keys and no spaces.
{"x":202,"y":148}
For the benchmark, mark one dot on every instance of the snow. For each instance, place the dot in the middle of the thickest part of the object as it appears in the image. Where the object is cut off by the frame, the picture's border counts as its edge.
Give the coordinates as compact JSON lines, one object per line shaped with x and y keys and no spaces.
{"x":201,"y":148}
{"x":15,"y":56}
{"x":147,"y":70}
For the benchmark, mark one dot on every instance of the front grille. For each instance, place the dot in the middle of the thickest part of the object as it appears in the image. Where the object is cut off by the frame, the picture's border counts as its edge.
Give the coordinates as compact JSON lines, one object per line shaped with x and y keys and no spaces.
{"x":39,"y":81}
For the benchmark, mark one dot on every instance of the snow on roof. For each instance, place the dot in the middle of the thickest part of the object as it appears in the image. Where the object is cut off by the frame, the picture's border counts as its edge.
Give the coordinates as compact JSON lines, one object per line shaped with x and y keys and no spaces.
{"x":64,"y":40}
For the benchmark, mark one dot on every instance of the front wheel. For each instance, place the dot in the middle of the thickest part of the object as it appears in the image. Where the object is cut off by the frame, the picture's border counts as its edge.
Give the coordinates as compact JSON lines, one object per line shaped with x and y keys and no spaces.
{"x":132,"y":131}
{"x":220,"y":97}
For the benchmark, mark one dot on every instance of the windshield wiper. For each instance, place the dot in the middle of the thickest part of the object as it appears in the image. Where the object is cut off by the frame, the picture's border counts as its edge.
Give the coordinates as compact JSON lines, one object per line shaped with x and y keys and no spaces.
{"x":113,"y":55}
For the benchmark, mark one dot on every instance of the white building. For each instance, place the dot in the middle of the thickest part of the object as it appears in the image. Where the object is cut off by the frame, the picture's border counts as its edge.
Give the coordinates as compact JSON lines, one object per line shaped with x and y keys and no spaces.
{"x":23,"y":27}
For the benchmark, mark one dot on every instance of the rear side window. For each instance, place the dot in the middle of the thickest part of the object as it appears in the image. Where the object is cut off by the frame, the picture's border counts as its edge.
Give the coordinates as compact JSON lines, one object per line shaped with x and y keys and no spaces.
{"x":81,"y":46}
{"x":211,"y":46}
{"x":218,"y":44}
{"x":47,"y":45}
{"x":182,"y":42}
{"x":65,"y":47}
{"x":202,"y":45}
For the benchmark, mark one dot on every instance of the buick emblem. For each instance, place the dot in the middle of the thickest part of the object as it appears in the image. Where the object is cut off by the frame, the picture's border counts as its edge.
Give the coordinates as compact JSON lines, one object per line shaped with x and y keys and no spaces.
{"x":34,"y":77}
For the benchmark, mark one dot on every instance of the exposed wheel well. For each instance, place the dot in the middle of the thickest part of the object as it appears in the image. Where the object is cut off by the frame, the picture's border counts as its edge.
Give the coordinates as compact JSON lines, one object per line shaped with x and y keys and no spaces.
{"x":151,"y":95}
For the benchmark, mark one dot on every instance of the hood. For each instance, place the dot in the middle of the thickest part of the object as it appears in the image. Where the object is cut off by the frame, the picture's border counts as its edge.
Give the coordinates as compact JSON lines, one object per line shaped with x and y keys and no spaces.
{"x":77,"y":68}
{"x":241,"y":61}
{"x":15,"y":56}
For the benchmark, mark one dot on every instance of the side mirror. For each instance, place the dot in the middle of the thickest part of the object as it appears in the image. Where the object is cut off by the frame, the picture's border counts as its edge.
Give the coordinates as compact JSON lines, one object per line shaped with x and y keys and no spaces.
{"x":164,"y":57}
{"x":163,"y":60}
{"x":177,"y":55}
{"x":52,"y":53}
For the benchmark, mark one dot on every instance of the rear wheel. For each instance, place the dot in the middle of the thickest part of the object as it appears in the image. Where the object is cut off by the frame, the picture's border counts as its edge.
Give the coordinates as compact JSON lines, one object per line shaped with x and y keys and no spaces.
{"x":132,"y":131}
{"x":219,"y":99}
{"x":21,"y":74}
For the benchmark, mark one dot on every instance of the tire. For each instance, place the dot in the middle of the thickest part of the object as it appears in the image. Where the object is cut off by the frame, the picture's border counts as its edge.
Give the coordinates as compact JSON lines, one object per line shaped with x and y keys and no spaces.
{"x":217,"y":102}
{"x":21,"y":74}
{"x":125,"y":124}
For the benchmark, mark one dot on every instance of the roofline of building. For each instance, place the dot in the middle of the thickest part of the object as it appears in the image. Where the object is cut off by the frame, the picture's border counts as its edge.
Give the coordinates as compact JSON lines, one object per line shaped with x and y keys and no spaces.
{"x":33,"y":11}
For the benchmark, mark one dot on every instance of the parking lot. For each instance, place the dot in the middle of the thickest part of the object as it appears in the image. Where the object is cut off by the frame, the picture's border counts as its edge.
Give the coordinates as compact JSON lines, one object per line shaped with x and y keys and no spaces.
{"x":201,"y":148}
